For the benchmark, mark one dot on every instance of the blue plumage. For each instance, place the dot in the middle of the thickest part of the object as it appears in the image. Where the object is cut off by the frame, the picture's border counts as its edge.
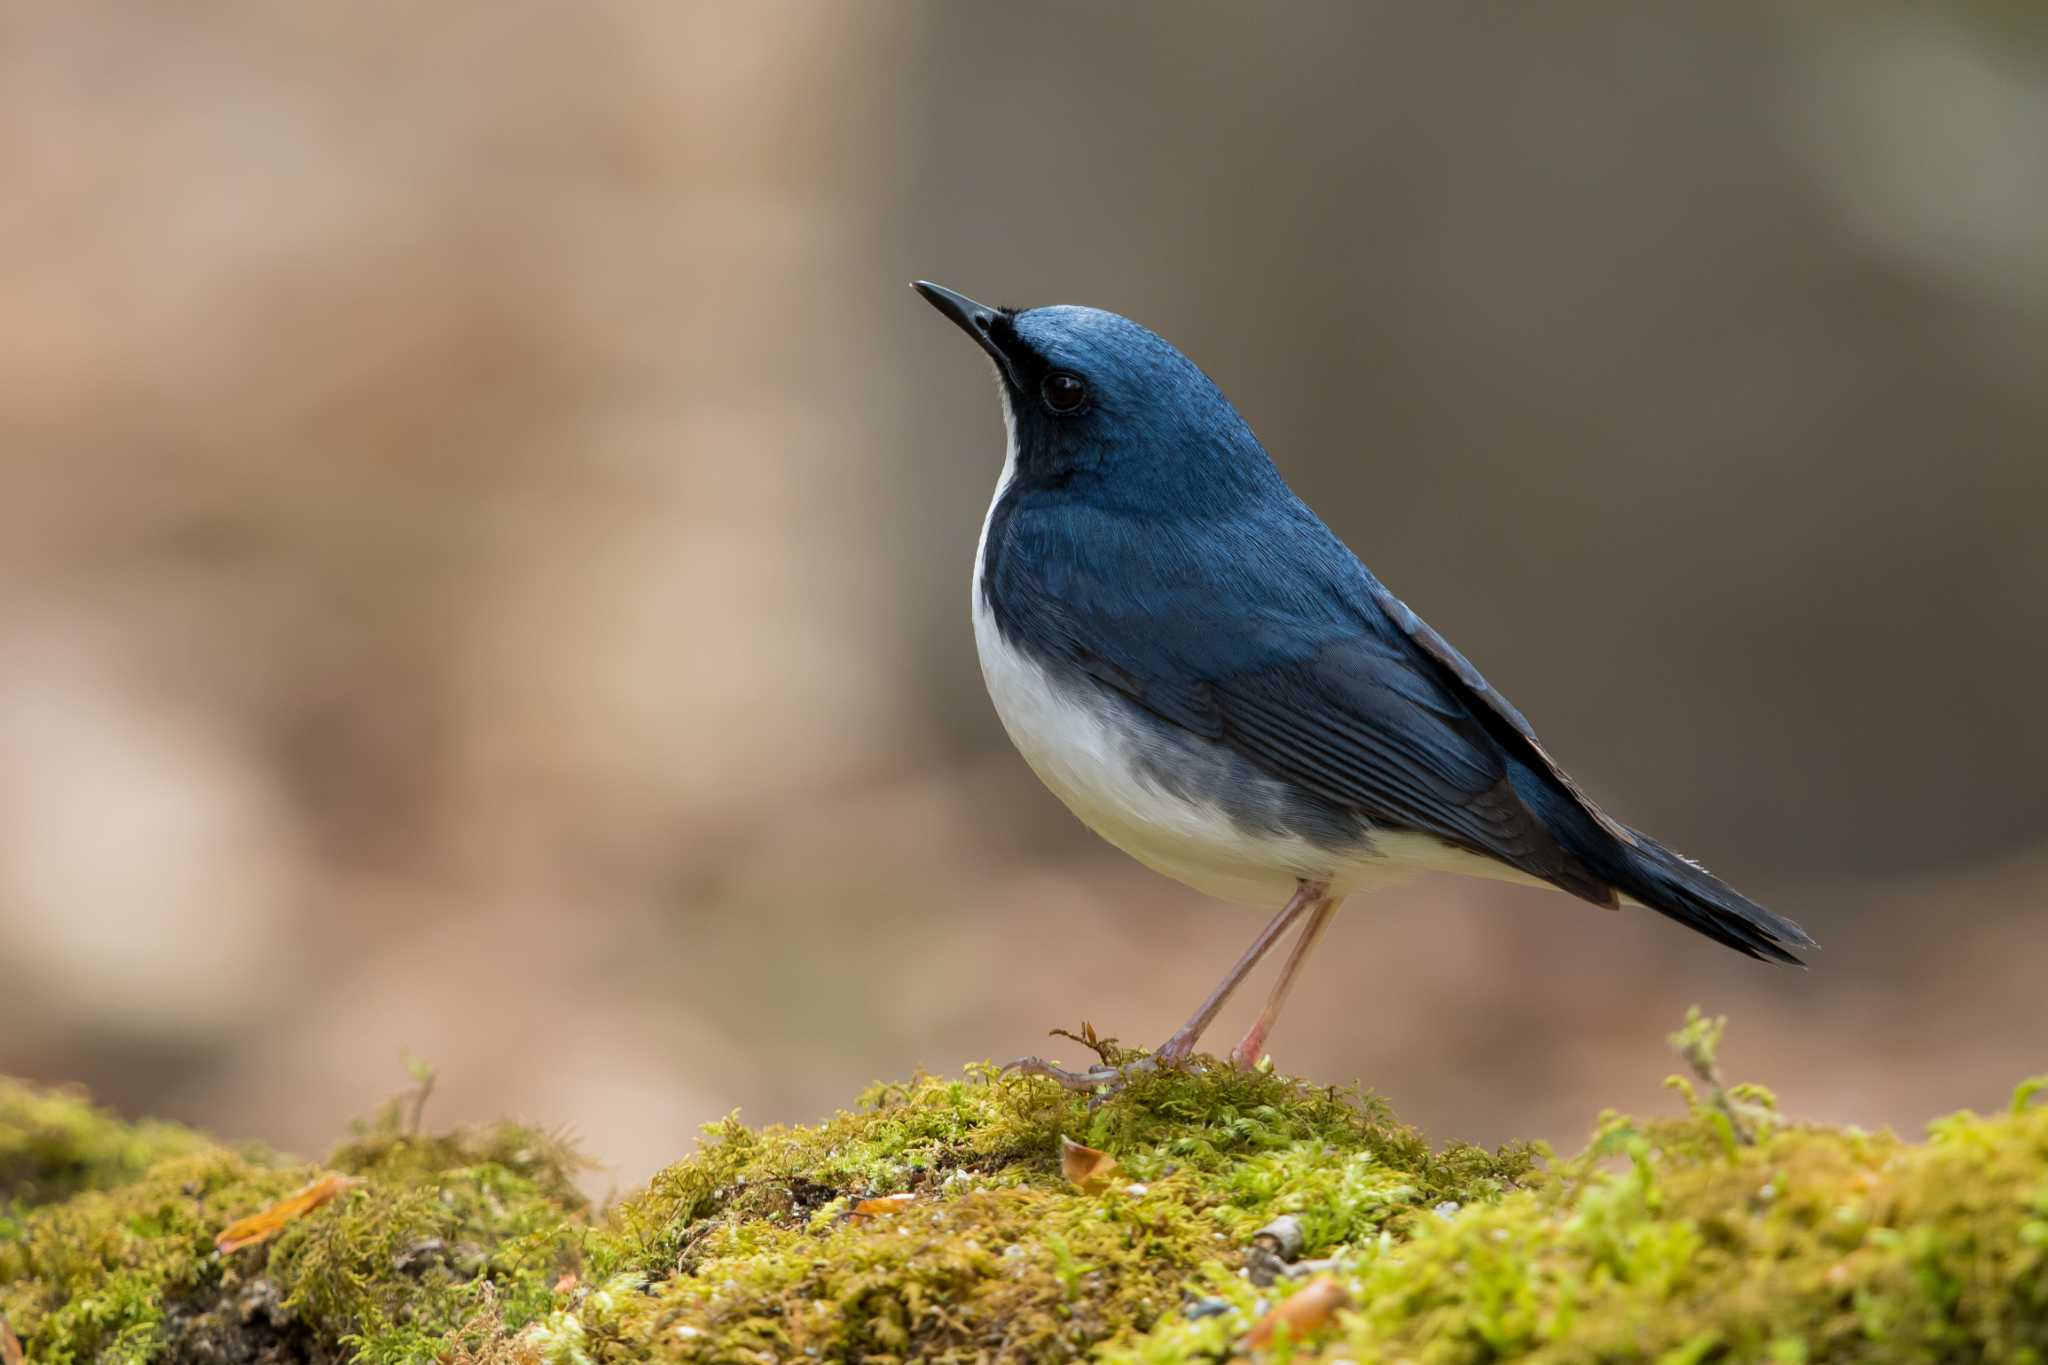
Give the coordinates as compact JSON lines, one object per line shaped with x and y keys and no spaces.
{"x":1147,"y":576}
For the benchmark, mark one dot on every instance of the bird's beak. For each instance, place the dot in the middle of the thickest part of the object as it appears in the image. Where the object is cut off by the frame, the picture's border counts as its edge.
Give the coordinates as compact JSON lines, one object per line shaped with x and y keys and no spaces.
{"x":973,"y":318}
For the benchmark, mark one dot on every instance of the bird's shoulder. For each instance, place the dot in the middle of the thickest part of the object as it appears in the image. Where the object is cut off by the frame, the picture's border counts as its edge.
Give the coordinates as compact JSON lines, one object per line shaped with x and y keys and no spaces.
{"x":1221,"y":592}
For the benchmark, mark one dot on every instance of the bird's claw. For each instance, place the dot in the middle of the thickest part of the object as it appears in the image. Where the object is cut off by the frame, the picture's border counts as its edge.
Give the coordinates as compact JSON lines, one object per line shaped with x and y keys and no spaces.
{"x":1101,"y":1081}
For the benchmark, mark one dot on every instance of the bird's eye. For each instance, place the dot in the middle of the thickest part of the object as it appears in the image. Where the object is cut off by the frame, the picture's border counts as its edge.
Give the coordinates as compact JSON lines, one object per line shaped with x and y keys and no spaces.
{"x":1063,"y":392}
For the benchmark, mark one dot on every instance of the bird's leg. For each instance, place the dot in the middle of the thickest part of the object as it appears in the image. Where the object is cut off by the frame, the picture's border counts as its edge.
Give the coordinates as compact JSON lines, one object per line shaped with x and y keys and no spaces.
{"x":1175,"y":1050}
{"x":1246,"y":1054}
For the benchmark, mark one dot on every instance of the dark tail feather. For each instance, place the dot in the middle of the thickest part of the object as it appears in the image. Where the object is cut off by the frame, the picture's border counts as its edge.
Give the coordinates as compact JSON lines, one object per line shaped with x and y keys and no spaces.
{"x":1673,"y":886}
{"x":1652,"y":875}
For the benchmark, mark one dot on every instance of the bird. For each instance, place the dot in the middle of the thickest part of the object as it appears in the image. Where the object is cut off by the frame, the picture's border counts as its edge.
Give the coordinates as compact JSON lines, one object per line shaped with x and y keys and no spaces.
{"x":1211,"y":680}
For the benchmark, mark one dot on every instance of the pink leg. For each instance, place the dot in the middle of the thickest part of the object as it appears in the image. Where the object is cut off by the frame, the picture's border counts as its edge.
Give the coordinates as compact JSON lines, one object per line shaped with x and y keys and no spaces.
{"x":1175,"y":1050}
{"x":1246,"y":1054}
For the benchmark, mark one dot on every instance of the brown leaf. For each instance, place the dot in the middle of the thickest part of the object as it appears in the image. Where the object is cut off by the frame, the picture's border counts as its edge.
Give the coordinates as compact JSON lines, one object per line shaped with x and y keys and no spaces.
{"x":10,"y":1346}
{"x":1087,"y":1168}
{"x":1308,"y":1309}
{"x":887,"y":1203}
{"x":260,"y":1227}
{"x":567,"y":1284}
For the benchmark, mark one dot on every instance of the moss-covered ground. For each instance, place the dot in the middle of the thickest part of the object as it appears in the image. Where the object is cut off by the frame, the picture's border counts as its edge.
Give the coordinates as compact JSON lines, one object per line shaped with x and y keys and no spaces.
{"x":934,"y":1221}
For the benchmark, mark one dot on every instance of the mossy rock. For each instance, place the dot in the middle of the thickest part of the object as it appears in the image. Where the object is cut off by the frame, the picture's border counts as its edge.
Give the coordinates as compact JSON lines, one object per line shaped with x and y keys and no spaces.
{"x":933,"y":1221}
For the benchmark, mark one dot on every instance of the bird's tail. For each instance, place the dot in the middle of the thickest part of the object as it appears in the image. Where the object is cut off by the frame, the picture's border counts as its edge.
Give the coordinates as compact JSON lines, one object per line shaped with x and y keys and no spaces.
{"x":1678,"y":888}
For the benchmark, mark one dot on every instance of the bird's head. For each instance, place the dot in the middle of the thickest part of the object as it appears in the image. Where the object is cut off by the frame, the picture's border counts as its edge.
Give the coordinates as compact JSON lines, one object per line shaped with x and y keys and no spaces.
{"x":1097,"y":402}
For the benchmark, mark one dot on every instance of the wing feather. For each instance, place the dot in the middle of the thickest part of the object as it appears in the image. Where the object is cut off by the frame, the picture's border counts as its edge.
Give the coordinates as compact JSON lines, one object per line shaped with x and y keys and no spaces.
{"x":1300,"y":661}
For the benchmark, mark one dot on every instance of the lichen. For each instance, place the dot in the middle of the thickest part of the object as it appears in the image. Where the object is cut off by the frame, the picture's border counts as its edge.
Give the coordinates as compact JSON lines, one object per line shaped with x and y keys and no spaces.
{"x":932,"y":1221}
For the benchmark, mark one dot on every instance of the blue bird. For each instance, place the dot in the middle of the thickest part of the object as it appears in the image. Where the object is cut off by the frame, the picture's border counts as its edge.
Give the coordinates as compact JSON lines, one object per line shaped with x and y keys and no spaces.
{"x":1205,"y":675}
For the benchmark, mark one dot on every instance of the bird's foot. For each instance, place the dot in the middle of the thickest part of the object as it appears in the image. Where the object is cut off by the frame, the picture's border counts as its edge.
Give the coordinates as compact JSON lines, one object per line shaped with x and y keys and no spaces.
{"x":1118,"y":1065}
{"x":1251,"y":1050}
{"x":1106,"y":1079}
{"x":1103,"y":1081}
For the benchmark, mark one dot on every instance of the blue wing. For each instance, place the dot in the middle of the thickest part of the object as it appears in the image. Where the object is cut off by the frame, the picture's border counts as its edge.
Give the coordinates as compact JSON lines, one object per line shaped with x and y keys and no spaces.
{"x":1287,"y":650}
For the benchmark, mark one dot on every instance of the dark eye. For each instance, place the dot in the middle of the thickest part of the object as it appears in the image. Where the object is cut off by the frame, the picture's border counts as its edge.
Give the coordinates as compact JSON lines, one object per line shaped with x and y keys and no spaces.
{"x":1063,"y":392}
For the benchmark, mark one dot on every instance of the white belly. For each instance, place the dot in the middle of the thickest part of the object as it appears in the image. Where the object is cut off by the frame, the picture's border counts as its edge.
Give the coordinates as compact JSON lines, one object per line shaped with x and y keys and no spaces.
{"x":1086,"y":750}
{"x":1090,"y":765}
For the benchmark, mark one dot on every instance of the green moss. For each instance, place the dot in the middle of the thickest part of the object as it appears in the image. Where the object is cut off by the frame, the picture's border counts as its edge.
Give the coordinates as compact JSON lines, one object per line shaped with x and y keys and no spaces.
{"x":1728,"y":1234}
{"x":755,"y":1250}
{"x":94,"y":1278}
{"x":447,"y":1238}
{"x":469,"y":1229}
{"x":1666,"y":1241}
{"x":54,"y":1143}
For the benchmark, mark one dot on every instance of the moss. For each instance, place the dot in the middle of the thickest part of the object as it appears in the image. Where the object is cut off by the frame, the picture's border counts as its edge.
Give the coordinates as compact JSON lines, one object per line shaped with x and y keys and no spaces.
{"x":1678,"y":1241}
{"x":54,"y":1143}
{"x":445,"y":1233}
{"x":1807,"y":1244}
{"x":1728,"y":1233}
{"x":755,"y":1249}
{"x":466,"y":1228}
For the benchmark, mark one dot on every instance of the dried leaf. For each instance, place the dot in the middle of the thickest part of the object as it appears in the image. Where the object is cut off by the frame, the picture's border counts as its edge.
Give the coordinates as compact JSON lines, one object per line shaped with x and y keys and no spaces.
{"x":1308,"y":1309}
{"x":260,"y":1227}
{"x":10,"y":1346}
{"x":1088,"y":1169}
{"x":887,"y":1203}
{"x":567,"y":1284}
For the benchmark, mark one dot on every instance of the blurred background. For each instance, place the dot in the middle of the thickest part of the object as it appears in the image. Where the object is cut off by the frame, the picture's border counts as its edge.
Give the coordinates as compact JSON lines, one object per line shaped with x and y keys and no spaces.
{"x":485,"y":535}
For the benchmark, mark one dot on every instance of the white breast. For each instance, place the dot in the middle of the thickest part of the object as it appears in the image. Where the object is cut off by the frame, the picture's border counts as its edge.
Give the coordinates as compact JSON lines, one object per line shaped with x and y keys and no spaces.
{"x":1082,"y":751}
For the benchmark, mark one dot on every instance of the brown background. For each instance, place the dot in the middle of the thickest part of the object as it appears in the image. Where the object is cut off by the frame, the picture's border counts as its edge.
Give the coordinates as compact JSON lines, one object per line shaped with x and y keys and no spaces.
{"x":485,"y":532}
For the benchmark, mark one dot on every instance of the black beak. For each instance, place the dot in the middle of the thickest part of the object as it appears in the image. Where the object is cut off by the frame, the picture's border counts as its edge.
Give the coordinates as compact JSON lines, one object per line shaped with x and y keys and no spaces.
{"x":975,"y":319}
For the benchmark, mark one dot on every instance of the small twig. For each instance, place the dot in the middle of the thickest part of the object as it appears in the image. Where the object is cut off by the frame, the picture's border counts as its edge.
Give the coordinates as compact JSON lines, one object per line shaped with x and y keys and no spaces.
{"x":423,"y":1086}
{"x":1105,"y":1049}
